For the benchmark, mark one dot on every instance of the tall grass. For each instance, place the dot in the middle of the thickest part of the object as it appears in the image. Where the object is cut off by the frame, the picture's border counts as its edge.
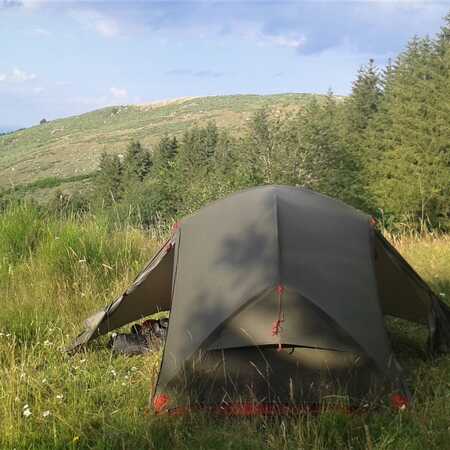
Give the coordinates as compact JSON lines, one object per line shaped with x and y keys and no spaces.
{"x":55,"y":271}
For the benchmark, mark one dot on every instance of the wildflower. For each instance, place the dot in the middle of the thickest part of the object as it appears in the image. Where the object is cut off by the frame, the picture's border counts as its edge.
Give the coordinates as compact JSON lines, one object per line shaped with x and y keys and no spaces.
{"x":133,"y":369}
{"x":47,"y":343}
{"x":60,"y":396}
{"x":113,"y":372}
{"x":26,"y":411}
{"x":46,"y":413}
{"x":126,"y":377}
{"x":44,"y":381}
{"x":83,"y":360}
{"x":442,"y":294}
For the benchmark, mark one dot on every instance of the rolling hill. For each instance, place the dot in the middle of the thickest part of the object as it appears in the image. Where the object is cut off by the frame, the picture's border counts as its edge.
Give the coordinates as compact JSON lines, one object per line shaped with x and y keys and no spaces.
{"x":66,"y":151}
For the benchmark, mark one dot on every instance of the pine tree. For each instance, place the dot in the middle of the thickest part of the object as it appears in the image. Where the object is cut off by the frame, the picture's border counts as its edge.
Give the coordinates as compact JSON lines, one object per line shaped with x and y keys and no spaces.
{"x":166,"y":150}
{"x":136,"y":164}
{"x":412,"y":172}
{"x":109,"y":179}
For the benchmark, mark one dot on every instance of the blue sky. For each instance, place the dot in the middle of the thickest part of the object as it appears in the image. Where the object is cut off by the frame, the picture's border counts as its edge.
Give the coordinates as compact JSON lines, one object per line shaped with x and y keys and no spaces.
{"x":68,"y":57}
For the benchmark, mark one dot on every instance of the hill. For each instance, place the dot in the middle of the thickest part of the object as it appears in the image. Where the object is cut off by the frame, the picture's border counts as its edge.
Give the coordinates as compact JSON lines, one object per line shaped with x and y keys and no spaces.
{"x":65,"y":149}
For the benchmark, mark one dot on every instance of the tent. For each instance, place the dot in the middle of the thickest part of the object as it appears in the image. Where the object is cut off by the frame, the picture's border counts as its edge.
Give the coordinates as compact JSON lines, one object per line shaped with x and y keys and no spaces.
{"x":277,"y":297}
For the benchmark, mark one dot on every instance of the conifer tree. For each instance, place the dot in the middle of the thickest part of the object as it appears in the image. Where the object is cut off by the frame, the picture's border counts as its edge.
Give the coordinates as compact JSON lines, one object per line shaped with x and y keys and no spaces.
{"x":137,"y":163}
{"x":109,"y":179}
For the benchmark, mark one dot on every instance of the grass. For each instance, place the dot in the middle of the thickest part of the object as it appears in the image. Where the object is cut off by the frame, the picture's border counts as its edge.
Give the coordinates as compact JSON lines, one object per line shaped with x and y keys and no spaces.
{"x":72,"y":146}
{"x":54,"y":273}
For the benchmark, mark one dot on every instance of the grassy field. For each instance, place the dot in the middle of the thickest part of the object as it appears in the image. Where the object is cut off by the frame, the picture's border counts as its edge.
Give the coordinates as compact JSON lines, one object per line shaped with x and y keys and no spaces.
{"x":71,"y":147}
{"x":54,"y":273}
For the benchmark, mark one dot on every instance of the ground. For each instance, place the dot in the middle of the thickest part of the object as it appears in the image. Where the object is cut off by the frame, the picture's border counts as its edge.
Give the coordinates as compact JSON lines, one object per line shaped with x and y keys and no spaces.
{"x":94,"y":400}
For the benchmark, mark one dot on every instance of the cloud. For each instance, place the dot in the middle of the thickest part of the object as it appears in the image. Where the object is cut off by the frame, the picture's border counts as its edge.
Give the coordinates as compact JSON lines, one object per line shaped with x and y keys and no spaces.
{"x":118,"y":92}
{"x":306,"y":27}
{"x":17,"y":76}
{"x":195,"y":73}
{"x":42,"y":32}
{"x":97,"y":21}
{"x":107,"y":27}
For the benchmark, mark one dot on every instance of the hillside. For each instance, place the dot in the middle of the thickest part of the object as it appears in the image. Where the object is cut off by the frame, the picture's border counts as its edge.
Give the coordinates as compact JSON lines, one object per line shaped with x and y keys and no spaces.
{"x":71,"y":147}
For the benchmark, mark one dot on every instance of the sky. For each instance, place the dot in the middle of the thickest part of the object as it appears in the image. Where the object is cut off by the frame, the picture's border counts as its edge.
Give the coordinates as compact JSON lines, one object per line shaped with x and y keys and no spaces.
{"x":60,"y":58}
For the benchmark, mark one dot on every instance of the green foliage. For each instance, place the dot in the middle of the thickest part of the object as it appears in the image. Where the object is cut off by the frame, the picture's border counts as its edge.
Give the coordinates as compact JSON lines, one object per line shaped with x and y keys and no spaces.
{"x":409,"y":173}
{"x":109,"y":180}
{"x":136,"y":164}
{"x":21,"y":227}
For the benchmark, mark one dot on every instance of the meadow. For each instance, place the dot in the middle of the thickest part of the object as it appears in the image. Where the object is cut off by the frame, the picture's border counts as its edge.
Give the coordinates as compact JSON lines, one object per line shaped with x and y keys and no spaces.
{"x":55,"y":271}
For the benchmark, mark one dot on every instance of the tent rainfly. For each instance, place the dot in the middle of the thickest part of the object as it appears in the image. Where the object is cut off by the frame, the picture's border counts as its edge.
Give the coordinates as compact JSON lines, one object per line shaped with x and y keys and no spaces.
{"x":277,"y":297}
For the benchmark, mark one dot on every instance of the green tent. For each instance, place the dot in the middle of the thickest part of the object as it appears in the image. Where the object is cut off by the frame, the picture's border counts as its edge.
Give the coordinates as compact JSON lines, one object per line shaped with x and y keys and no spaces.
{"x":277,"y":297}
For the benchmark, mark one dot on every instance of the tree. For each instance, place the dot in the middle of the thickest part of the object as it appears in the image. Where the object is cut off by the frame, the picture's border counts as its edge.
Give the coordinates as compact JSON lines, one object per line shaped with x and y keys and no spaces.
{"x":109,"y":179}
{"x":411,"y":179}
{"x":136,"y":164}
{"x":166,"y":150}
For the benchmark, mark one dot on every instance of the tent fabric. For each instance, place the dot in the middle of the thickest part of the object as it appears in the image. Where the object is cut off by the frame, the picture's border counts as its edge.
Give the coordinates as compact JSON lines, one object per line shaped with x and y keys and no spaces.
{"x":135,"y":303}
{"x":311,"y":265}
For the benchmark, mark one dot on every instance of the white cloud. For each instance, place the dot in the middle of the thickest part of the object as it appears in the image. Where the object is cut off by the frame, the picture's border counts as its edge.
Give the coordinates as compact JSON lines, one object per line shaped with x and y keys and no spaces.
{"x":17,"y":76}
{"x":118,"y":92}
{"x":32,"y":4}
{"x":107,"y":27}
{"x":288,"y":41}
{"x":94,"y":20}
{"x":42,"y":32}
{"x":38,"y":90}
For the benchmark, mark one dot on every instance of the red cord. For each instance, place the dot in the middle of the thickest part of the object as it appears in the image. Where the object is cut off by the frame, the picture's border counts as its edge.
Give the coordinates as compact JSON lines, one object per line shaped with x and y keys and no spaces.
{"x":276,"y":327}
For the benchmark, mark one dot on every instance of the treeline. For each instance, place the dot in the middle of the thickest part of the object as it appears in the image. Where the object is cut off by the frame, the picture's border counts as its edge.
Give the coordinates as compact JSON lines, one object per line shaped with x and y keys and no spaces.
{"x":384,"y":149}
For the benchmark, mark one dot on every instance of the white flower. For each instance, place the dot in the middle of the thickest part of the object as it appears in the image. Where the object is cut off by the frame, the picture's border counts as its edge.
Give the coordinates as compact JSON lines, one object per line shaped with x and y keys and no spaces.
{"x":44,"y":381}
{"x":27,"y":413}
{"x":60,"y":396}
{"x":442,"y":294}
{"x":126,"y":377}
{"x":47,"y":343}
{"x":133,"y":369}
{"x":83,"y":360}
{"x":113,"y":372}
{"x":46,"y":413}
{"x":26,"y":406}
